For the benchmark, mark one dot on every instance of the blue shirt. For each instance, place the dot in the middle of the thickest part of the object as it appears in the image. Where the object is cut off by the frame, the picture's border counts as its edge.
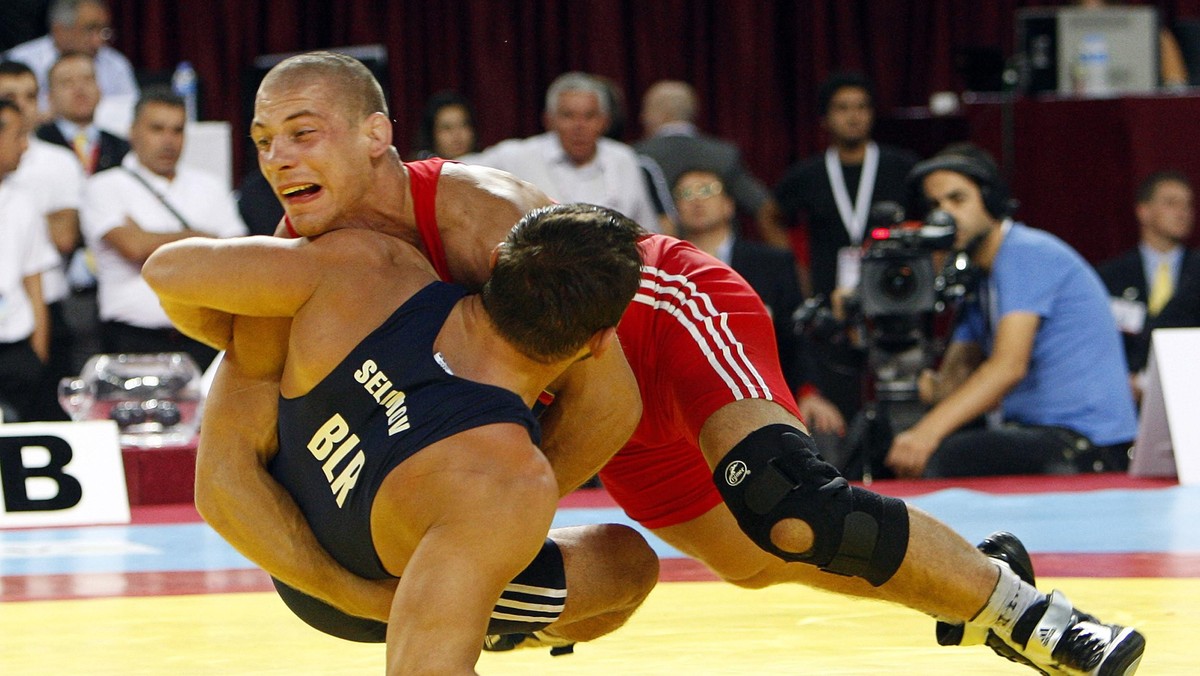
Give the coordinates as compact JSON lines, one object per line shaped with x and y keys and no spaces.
{"x":1076,"y":376}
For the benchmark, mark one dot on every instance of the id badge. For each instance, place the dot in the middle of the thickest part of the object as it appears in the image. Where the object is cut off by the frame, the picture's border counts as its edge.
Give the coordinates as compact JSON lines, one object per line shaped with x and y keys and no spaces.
{"x":1130,"y":315}
{"x":849,"y":266}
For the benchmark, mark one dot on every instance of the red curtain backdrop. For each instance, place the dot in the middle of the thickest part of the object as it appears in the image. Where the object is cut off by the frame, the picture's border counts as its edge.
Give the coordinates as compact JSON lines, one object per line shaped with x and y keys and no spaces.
{"x":755,"y":63}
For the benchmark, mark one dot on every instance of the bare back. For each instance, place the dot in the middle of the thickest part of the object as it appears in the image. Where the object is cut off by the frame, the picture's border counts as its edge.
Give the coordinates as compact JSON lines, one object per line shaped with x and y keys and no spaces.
{"x":340,"y":313}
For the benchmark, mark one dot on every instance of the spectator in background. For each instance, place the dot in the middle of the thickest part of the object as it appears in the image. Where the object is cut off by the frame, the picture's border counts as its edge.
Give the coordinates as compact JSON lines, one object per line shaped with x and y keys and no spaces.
{"x":657,"y":185}
{"x":1141,"y":281}
{"x":24,"y":320}
{"x":74,"y":96}
{"x":1038,"y":340}
{"x":676,"y":144}
{"x":83,"y":26}
{"x":447,"y":128}
{"x":572,"y":161}
{"x":832,"y":194}
{"x":53,"y":178}
{"x":131,"y":210}
{"x":706,"y":212}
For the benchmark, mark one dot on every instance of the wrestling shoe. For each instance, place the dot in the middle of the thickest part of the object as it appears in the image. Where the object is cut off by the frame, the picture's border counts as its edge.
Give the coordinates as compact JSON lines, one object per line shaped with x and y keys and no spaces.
{"x":1007,"y":550}
{"x":497,"y":643}
{"x":1055,"y":638}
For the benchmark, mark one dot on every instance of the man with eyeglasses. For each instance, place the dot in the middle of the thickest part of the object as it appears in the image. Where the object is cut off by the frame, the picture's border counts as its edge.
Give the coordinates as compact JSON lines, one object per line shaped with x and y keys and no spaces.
{"x":78,"y":26}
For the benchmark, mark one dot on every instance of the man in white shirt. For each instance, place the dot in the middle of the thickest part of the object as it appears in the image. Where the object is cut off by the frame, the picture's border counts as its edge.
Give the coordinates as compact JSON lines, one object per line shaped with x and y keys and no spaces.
{"x":24,"y":321}
{"x":573,"y":161}
{"x":78,"y":26}
{"x":52,"y":177}
{"x":131,"y":210}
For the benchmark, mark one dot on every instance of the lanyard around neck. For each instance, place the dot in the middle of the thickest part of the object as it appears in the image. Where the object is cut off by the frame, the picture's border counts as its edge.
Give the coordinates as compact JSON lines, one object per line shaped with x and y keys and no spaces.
{"x":854,"y":217}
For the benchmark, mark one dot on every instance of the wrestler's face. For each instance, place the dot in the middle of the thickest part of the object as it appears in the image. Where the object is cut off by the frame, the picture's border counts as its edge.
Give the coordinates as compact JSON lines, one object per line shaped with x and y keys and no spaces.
{"x":157,"y":137}
{"x":960,"y":196}
{"x":850,"y":116}
{"x":579,"y":124}
{"x":316,"y":159}
{"x":702,"y":203}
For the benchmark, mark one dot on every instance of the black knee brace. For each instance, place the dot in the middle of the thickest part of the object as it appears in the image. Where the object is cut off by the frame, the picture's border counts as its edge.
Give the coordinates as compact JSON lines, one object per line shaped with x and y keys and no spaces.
{"x":776,"y":473}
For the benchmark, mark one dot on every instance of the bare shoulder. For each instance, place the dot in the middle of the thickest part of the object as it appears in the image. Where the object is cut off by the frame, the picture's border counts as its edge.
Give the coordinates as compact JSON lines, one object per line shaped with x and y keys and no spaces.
{"x":476,"y":207}
{"x":489,"y":194}
{"x":367,"y":248}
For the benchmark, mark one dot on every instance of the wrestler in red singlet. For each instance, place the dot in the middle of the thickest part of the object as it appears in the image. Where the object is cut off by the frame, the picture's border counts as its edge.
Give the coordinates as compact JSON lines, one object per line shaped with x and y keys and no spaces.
{"x":696,"y":336}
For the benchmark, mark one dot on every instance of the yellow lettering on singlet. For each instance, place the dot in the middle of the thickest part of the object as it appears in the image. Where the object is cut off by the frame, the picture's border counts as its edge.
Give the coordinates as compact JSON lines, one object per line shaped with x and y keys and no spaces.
{"x":334,"y":430}
{"x":365,"y":372}
{"x":348,"y":477}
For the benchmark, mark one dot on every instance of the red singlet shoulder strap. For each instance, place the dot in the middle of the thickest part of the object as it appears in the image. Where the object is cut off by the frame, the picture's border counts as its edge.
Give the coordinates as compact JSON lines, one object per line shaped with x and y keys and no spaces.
{"x":423,"y":179}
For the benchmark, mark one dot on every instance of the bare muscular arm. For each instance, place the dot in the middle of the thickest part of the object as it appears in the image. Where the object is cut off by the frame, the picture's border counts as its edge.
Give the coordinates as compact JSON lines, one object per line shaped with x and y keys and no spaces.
{"x":597,"y":405}
{"x":241,"y":501}
{"x":234,"y":491}
{"x":596,"y":409}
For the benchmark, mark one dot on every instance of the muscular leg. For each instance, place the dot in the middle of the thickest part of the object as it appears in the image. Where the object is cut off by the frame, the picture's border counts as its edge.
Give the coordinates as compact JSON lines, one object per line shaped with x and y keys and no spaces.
{"x":610,"y":571}
{"x":942,"y":574}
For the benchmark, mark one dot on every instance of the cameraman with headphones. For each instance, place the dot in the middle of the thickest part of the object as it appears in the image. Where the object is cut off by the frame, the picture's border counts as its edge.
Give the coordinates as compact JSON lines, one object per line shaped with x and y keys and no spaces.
{"x":1037,"y":342}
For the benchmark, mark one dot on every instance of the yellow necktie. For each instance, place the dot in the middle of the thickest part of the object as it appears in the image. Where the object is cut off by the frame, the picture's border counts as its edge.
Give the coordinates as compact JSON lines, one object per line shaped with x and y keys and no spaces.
{"x":1161,"y":289}
{"x":81,"y":149}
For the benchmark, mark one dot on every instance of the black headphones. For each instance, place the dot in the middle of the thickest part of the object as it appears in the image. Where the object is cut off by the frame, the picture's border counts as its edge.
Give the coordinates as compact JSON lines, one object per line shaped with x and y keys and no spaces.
{"x":981,"y":170}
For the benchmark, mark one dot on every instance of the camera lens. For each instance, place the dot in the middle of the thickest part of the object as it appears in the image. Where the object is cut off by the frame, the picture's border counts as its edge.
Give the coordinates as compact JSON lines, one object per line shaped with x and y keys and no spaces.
{"x":898,"y":281}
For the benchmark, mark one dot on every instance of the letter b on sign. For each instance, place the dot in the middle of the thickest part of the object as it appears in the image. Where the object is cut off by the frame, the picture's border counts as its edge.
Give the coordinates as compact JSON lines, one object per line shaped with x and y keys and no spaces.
{"x":61,"y":474}
{"x":21,"y":470}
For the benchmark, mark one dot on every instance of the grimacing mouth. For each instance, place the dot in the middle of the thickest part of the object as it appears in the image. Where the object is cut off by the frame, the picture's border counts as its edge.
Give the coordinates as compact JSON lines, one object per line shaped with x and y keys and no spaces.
{"x":300,"y":190}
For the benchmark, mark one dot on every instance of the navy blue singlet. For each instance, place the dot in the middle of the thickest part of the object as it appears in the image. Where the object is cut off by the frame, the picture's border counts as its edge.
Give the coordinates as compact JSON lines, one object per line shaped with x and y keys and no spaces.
{"x":388,"y":399}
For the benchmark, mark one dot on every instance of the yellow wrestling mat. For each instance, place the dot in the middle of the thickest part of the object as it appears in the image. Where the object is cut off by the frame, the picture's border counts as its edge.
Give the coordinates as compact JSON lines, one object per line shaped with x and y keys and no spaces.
{"x":684,"y":628}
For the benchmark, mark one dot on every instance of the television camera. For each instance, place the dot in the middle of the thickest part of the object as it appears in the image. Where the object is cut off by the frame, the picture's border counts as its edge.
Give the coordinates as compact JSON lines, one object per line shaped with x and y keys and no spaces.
{"x":892,"y":316}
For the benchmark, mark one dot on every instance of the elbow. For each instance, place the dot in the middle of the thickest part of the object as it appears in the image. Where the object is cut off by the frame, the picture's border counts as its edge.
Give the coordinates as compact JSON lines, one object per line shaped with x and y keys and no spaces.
{"x":212,"y":499}
{"x":208,"y":499}
{"x":161,"y":268}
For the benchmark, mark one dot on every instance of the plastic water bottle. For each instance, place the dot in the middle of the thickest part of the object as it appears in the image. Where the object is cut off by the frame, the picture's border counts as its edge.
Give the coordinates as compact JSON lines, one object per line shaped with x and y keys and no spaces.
{"x":184,"y":84}
{"x":1092,"y":76}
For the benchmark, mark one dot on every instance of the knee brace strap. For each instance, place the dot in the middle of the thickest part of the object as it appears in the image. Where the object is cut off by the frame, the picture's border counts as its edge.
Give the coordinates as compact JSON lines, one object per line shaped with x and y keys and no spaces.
{"x":776,"y":473}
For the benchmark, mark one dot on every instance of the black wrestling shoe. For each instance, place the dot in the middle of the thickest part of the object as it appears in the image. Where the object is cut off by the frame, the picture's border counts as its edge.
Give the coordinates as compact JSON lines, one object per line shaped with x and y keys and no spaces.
{"x":1056,"y":638}
{"x":1005,"y":548}
{"x":497,"y":643}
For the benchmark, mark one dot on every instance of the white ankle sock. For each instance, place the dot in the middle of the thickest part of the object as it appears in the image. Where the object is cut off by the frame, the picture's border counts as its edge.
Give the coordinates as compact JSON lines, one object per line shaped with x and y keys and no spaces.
{"x":1009,"y":600}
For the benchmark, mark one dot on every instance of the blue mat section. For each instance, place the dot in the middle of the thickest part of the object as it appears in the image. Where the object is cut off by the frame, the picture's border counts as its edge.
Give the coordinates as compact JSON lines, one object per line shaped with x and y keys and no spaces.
{"x":1112,"y":521}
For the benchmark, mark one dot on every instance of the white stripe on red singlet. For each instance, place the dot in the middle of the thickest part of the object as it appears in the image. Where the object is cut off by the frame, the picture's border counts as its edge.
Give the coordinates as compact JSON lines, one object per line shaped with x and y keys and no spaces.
{"x":693,"y":309}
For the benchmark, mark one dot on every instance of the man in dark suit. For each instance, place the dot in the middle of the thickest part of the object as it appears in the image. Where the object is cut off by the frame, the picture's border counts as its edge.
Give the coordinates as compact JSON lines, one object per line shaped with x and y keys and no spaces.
{"x":1143,"y":280}
{"x":673,"y":141}
{"x":706,"y":213}
{"x":74,"y":96}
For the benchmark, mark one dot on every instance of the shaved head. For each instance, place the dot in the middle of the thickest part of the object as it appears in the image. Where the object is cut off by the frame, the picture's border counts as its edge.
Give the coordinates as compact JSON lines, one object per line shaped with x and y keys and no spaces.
{"x":671,"y":101}
{"x":347,"y":79}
